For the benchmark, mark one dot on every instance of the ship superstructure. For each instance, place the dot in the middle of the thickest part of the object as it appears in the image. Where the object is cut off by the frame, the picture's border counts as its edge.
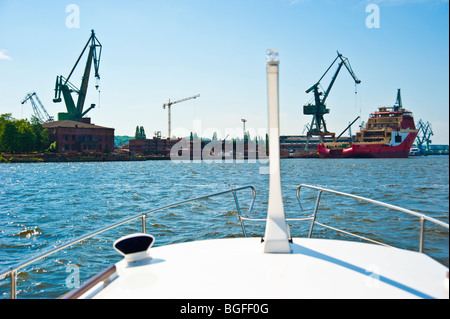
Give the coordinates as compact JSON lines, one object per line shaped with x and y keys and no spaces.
{"x":389,"y":133}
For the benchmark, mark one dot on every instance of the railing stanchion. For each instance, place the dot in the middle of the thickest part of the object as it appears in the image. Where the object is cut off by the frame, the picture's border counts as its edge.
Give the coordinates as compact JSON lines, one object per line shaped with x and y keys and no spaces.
{"x":239,"y":213}
{"x":422,"y":234}
{"x":316,"y":207}
{"x":143,"y":224}
{"x":13,"y":277}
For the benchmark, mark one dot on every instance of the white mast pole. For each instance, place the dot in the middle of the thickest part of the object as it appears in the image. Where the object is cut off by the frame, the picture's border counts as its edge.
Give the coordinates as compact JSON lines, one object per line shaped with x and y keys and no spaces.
{"x":276,"y":239}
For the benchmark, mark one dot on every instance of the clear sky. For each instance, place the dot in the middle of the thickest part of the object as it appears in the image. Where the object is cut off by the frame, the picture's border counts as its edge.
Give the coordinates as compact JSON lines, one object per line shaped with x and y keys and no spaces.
{"x":157,"y":50}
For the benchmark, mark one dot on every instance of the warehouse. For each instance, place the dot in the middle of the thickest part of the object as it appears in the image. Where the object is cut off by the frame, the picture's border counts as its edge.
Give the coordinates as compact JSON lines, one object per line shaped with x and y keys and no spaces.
{"x":72,"y":136}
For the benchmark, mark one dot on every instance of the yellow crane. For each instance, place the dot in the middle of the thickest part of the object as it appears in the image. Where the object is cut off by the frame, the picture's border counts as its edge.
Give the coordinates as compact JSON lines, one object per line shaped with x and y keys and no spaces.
{"x":169,"y":104}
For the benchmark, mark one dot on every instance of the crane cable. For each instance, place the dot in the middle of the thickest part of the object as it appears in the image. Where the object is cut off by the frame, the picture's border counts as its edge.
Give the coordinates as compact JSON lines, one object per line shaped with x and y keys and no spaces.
{"x":360,"y":101}
{"x":356,"y":100}
{"x":97,"y":85}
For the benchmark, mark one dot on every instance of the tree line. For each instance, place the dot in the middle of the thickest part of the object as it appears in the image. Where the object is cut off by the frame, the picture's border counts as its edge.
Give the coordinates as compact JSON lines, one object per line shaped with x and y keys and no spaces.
{"x":22,"y":136}
{"x":140,"y":133}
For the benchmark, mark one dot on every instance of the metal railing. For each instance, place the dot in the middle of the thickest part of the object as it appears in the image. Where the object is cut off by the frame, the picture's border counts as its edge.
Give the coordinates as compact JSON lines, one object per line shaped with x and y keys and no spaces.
{"x":12,"y":272}
{"x":320,"y":190}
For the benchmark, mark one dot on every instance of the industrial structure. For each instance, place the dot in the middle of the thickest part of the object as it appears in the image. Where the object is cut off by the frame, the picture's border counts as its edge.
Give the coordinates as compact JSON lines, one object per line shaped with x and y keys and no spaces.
{"x":39,"y":110}
{"x":243,"y":128}
{"x":318,"y":109}
{"x":80,"y":137}
{"x":423,"y":139}
{"x":169,"y":104}
{"x":75,"y":112}
{"x":73,"y":132}
{"x":155,"y":146}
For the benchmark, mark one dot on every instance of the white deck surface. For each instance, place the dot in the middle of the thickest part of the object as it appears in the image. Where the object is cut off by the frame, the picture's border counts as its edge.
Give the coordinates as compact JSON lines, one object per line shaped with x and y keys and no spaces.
{"x":316,"y":268}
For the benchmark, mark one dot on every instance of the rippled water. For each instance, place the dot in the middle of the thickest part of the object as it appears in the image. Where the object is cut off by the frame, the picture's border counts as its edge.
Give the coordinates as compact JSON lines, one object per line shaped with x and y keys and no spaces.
{"x":45,"y":205}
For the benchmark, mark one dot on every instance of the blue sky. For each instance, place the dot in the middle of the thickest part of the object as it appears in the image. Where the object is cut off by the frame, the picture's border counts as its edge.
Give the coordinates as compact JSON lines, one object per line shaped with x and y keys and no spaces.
{"x":171,"y":49}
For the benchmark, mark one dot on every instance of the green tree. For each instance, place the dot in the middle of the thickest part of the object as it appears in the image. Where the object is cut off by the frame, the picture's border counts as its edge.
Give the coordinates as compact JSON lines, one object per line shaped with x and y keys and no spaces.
{"x":5,"y":118}
{"x":26,"y":140}
{"x":53,"y":147}
{"x":41,"y":140}
{"x":140,"y":133}
{"x":136,"y":134}
{"x":8,"y":137}
{"x":21,"y":135}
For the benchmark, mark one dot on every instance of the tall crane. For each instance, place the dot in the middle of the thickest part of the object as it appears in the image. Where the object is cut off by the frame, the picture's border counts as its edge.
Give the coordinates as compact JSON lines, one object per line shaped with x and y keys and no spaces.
{"x":424,"y":135}
{"x":169,"y":104}
{"x":318,"y":109}
{"x":75,"y":112}
{"x":39,"y":111}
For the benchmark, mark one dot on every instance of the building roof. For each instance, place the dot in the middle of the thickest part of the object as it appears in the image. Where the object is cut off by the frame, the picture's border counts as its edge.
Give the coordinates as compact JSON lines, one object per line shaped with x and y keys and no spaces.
{"x":73,"y":124}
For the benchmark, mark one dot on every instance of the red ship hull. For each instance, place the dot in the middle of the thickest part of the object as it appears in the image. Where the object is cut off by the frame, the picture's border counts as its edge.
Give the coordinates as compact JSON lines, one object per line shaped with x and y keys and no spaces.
{"x":389,"y":133}
{"x":372,"y":150}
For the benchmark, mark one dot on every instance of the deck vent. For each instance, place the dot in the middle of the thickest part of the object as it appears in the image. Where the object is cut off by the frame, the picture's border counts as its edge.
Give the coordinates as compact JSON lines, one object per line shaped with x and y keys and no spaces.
{"x":134,"y":247}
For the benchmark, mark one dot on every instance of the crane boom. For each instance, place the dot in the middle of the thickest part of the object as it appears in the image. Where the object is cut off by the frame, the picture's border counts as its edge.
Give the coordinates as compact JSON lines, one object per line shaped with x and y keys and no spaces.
{"x":37,"y":112}
{"x":315,"y":87}
{"x":169,"y":104}
{"x":181,"y":100}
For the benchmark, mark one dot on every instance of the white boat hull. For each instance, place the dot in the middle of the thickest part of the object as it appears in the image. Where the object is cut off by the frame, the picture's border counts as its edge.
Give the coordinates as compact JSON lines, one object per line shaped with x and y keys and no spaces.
{"x":239,"y":268}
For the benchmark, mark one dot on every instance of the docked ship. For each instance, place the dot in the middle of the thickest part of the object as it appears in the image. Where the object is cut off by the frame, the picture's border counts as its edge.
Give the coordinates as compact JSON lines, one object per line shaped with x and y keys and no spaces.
{"x":389,"y":133}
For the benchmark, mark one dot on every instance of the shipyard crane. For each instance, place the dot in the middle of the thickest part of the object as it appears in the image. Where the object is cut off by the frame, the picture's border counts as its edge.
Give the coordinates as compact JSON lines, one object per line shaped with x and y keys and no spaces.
{"x":75,"y":112}
{"x":318,"y":109}
{"x":169,"y":104}
{"x":424,"y":135}
{"x":39,"y":111}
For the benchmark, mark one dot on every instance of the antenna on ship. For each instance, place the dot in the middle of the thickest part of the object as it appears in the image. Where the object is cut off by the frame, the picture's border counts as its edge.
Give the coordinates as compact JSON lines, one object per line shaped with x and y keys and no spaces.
{"x":398,"y":103}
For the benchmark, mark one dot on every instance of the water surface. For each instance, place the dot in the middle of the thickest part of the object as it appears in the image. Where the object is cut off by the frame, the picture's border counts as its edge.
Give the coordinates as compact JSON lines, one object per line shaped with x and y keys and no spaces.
{"x":44,"y":205}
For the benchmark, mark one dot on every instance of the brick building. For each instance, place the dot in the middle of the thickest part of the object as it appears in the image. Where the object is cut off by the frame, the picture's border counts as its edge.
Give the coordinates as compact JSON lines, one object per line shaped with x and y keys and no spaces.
{"x":71,"y":136}
{"x":154,"y":146}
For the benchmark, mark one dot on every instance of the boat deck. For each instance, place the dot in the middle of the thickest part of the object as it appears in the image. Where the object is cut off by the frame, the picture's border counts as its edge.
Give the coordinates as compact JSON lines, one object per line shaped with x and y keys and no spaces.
{"x":238,"y":268}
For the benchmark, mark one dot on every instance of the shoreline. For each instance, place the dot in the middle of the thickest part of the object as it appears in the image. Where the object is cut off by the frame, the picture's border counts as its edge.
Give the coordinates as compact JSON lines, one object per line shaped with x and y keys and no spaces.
{"x":98,"y":157}
{"x":117,"y":157}
{"x":74,"y":157}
